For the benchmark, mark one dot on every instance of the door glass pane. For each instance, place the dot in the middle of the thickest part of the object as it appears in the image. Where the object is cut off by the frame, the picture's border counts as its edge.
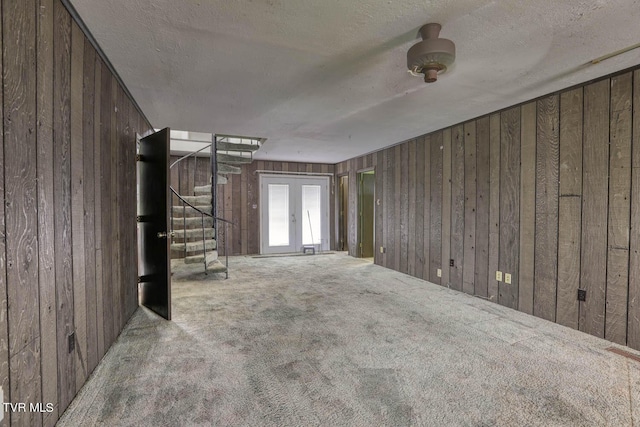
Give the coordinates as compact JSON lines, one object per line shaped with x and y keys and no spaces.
{"x":278,"y":215}
{"x":311,"y":230}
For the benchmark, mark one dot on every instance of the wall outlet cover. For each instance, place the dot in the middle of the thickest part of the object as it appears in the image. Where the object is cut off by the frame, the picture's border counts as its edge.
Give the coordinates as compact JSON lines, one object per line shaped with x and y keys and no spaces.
{"x":507,"y":278}
{"x":499,"y":276}
{"x":439,"y":272}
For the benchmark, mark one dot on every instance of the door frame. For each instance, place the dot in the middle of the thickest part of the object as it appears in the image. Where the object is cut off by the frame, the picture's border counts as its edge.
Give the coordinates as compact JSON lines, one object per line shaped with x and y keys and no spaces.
{"x":359,"y":221}
{"x":325,"y":223}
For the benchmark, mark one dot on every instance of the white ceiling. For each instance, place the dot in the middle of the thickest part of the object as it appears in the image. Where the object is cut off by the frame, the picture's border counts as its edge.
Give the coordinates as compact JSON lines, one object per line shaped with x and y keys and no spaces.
{"x":326,"y":80}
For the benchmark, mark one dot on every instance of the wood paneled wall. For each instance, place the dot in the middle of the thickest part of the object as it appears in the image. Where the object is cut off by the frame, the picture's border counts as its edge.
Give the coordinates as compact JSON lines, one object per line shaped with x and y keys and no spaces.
{"x":239,"y":199}
{"x":547,"y":191}
{"x":67,"y":258}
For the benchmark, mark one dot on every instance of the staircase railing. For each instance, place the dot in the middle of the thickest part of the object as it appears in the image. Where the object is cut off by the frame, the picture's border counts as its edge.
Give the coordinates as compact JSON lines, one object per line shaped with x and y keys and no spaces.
{"x":212,"y":215}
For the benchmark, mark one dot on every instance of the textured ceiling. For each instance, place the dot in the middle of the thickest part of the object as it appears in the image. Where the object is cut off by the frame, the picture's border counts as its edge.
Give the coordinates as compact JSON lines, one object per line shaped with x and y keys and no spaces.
{"x":326,"y":80}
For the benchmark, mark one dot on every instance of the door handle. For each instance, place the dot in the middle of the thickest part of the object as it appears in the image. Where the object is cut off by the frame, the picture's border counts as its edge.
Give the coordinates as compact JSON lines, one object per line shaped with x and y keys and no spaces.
{"x":162,"y":235}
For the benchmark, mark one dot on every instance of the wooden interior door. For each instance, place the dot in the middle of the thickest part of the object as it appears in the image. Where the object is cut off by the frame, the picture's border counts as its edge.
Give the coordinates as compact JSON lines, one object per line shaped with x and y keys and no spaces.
{"x":366,"y":208}
{"x":153,"y":223}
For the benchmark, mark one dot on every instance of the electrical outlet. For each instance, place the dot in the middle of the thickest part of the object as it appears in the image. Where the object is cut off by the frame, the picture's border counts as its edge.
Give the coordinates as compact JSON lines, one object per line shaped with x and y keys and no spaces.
{"x":382,"y":249}
{"x":499,"y":276}
{"x":582,"y":294}
{"x":439,"y":272}
{"x":507,"y":278}
{"x":451,"y":263}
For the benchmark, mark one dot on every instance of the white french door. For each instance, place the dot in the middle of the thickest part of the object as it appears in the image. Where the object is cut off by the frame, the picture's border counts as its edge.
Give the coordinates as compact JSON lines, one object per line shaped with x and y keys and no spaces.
{"x":294,"y":213}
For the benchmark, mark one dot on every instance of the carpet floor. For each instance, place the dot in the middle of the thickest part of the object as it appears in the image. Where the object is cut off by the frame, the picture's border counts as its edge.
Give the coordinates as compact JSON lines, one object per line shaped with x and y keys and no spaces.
{"x":337,"y":341}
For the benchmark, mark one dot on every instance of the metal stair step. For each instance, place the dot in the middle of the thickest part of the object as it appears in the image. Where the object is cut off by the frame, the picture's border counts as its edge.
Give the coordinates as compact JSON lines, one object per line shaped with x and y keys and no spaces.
{"x":224,"y":168}
{"x":204,"y":199}
{"x":194,"y":233}
{"x":234,"y":160}
{"x":179,"y":223}
{"x":231,"y":146}
{"x":216,"y":267}
{"x":194,"y":246}
{"x":195,"y":259}
{"x":188,"y":211}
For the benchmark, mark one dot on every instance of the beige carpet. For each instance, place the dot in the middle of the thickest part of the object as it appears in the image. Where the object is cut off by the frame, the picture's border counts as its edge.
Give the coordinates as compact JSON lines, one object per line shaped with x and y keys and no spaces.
{"x":336,"y":341}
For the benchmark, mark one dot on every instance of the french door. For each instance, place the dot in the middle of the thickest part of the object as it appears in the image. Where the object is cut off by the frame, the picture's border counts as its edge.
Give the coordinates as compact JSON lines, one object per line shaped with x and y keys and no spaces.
{"x":294,"y":213}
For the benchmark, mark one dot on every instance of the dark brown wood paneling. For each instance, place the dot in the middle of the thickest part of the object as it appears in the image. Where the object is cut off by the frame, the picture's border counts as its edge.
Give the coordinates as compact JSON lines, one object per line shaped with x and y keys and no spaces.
{"x":633,"y":322}
{"x":237,"y":207}
{"x":482,"y":207}
{"x":443,"y":214}
{"x":437,"y":218}
{"x":546,"y":250}
{"x":619,"y":209}
{"x":424,"y":175}
{"x":569,"y":209}
{"x":62,"y":202}
{"x":593,"y":270}
{"x":494,"y":205}
{"x":391,"y":192}
{"x":386,"y":208}
{"x":98,"y":190}
{"x":509,"y":205}
{"x":421,"y":199}
{"x":404,"y":207}
{"x":527,"y":206}
{"x":46,"y":254}
{"x":88,"y":131}
{"x":21,"y":216}
{"x":77,"y":205}
{"x":108,"y":276}
{"x":470,"y":196}
{"x":411,"y":224}
{"x":457,"y":207}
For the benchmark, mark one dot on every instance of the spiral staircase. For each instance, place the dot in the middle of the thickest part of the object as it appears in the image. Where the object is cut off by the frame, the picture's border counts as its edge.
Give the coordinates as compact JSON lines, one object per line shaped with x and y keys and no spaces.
{"x":197,"y":232}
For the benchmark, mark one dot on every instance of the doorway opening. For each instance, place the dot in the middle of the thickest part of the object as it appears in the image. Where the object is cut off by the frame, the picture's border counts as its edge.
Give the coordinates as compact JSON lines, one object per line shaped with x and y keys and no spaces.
{"x":366,"y":213}
{"x":294,"y":213}
{"x":343,"y":213}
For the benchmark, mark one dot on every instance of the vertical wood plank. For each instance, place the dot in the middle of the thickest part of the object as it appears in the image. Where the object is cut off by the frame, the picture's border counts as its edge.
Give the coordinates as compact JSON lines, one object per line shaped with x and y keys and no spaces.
{"x":108,"y":277}
{"x":62,"y":202}
{"x":391,"y":217}
{"x":88,"y":131}
{"x":495,"y":167}
{"x":593,"y":270}
{"x":482,"y":207}
{"x":439,"y":221}
{"x":77,"y":205}
{"x":21,"y":216}
{"x":411,"y":223}
{"x":457,"y":207}
{"x":419,"y":209}
{"x":4,"y":330}
{"x":510,"y":205}
{"x":424,"y":174}
{"x":97,"y":188}
{"x":470,"y":196}
{"x":619,"y":209}
{"x":115,"y":216}
{"x":569,"y":210}
{"x":527,"y":207}
{"x":244,"y":220}
{"x":236,"y":188}
{"x":546,"y":208}
{"x":46,"y":253}
{"x":633,"y":333}
{"x":404,"y":207}
{"x":386,"y":208}
{"x":398,"y":204}
{"x":445,"y":212}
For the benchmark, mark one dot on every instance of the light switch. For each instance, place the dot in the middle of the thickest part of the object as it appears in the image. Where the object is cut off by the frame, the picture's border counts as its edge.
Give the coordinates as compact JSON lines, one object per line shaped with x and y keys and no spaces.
{"x":507,"y":278}
{"x":439,"y":273}
{"x":499,"y":276}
